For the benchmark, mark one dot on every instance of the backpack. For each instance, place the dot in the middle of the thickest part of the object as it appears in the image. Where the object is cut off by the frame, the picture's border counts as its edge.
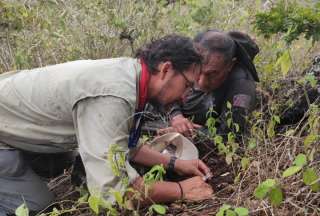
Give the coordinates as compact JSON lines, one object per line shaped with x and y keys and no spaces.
{"x":247,"y":49}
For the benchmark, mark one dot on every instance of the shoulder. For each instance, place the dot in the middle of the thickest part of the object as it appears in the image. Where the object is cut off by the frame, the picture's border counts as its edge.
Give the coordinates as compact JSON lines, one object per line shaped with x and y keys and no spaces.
{"x":239,"y":72}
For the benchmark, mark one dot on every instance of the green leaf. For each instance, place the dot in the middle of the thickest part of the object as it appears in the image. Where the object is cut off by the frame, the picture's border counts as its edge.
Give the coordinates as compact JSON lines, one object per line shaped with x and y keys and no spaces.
{"x":285,"y":62}
{"x":276,"y":196}
{"x":229,"y":105}
{"x":231,"y":137}
{"x":310,"y":177}
{"x":276,"y":119}
{"x":55,"y":212}
{"x":262,"y":190}
{"x":252,"y":143}
{"x":245,"y":162}
{"x":160,"y":209}
{"x":218,"y":139}
{"x":94,"y":203}
{"x":22,"y":210}
{"x":229,"y":120}
{"x":230,"y":212}
{"x":237,"y":127}
{"x":311,"y":138}
{"x":242,"y":211}
{"x":119,"y":198}
{"x":222,"y":209}
{"x":291,"y":171}
{"x":300,"y":160}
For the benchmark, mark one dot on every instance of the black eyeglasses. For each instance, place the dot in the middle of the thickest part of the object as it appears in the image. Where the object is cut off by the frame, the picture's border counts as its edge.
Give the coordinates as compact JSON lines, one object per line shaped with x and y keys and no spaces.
{"x":189,"y":83}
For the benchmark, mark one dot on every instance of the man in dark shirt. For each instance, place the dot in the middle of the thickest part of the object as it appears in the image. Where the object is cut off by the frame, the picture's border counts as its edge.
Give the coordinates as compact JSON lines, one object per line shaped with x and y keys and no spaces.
{"x":228,"y":75}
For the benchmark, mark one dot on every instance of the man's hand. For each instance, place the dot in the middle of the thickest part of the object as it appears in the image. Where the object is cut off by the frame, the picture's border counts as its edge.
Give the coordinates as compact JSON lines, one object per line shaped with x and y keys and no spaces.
{"x":191,"y":168}
{"x":195,"y":189}
{"x":183,"y":125}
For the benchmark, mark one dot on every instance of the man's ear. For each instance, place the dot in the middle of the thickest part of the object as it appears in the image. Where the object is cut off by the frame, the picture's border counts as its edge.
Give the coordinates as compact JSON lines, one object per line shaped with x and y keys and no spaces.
{"x":164,"y":68}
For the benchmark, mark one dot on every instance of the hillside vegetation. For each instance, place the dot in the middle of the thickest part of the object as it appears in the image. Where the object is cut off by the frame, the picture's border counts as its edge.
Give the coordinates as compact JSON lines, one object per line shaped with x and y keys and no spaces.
{"x":278,"y":169}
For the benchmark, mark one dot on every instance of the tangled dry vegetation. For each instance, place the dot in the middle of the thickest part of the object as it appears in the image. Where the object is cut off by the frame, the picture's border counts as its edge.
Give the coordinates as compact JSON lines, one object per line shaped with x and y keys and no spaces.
{"x":235,"y":184}
{"x":36,"y":32}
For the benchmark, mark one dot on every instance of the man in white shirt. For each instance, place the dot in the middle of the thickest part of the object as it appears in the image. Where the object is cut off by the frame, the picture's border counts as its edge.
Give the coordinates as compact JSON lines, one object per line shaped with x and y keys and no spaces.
{"x":92,"y":105}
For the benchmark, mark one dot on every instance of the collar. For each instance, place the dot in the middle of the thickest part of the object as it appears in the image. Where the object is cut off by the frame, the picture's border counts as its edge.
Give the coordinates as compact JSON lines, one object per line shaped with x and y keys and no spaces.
{"x":143,"y":86}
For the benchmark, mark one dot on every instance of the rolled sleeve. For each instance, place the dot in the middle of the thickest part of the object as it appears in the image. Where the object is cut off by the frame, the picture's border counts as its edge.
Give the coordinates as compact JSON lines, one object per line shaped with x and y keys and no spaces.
{"x":100,"y":123}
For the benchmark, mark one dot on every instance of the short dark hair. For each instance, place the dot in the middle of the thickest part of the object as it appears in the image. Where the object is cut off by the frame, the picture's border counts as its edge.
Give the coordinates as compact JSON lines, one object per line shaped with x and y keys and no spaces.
{"x":216,"y":41}
{"x":179,"y":50}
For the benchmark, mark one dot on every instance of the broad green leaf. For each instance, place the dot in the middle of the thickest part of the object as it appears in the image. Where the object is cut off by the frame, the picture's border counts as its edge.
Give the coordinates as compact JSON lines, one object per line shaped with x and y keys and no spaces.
{"x":245,"y":162}
{"x":276,"y":196}
{"x":160,"y":209}
{"x":22,"y":210}
{"x":94,"y":203}
{"x":262,"y":190}
{"x":242,"y":211}
{"x":300,"y":160}
{"x":230,"y":212}
{"x":222,"y":209}
{"x":291,"y":171}
{"x":310,"y":177}
{"x":229,"y":120}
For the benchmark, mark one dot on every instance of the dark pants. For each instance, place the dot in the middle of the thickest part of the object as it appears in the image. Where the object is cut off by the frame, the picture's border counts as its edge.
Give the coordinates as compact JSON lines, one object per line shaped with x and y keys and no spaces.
{"x":19,"y":184}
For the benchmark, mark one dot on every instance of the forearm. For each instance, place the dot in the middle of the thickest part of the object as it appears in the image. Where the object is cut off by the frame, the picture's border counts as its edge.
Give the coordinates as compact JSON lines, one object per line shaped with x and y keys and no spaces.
{"x":159,"y":192}
{"x":149,"y":157}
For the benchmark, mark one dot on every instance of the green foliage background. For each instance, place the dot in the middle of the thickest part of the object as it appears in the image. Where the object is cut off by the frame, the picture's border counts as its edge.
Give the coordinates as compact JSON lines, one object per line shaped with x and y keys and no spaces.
{"x":34,"y":33}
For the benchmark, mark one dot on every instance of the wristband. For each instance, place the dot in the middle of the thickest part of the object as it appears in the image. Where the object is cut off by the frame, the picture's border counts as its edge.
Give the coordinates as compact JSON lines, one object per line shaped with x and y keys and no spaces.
{"x":171,"y":163}
{"x":181,"y":191}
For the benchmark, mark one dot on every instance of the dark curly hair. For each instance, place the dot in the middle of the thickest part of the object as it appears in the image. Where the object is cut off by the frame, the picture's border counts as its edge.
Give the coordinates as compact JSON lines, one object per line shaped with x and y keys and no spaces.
{"x":179,"y":50}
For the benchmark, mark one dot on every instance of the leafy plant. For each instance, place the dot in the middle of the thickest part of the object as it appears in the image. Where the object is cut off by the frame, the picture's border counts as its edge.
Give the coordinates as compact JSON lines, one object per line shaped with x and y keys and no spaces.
{"x":291,"y":19}
{"x":228,"y":210}
{"x":157,"y":208}
{"x":22,"y":210}
{"x":310,"y":176}
{"x":299,"y":162}
{"x":270,"y":189}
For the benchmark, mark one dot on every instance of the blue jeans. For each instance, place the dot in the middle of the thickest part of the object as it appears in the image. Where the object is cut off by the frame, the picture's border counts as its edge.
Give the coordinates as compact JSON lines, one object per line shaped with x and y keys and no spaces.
{"x":19,"y":184}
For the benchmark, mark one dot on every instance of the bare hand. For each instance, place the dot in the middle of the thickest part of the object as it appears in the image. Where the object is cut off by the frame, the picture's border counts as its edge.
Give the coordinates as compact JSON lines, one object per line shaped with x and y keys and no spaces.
{"x":163,"y":131}
{"x":192,"y":168}
{"x":183,"y":125}
{"x":196,"y":189}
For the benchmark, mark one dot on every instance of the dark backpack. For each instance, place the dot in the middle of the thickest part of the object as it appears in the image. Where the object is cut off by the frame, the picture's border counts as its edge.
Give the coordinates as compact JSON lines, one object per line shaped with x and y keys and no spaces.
{"x":247,"y":49}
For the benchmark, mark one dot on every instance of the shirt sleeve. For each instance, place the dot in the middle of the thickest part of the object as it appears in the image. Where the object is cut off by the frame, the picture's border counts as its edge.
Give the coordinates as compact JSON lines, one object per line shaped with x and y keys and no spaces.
{"x":242,"y":97}
{"x":100,"y":124}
